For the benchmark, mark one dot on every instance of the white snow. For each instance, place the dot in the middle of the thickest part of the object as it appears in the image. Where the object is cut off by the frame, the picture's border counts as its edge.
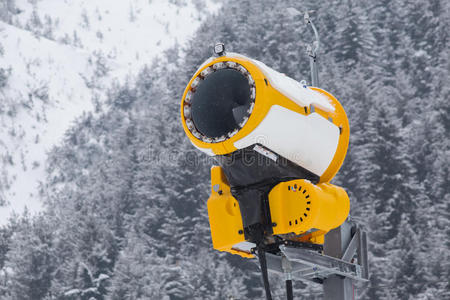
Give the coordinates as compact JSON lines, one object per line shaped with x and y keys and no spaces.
{"x":302,"y":95}
{"x":39,"y":121}
{"x":72,"y":292}
{"x":58,"y":67}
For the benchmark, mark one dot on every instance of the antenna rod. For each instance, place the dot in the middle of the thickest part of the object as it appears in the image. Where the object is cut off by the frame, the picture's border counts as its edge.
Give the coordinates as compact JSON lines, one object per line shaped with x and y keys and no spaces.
{"x":311,"y":50}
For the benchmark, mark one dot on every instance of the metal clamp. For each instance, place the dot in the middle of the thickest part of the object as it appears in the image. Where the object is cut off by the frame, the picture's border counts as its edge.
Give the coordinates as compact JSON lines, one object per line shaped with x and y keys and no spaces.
{"x":314,"y":266}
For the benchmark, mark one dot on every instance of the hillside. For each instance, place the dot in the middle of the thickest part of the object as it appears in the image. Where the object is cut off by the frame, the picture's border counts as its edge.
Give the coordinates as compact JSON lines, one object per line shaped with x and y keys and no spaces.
{"x":58,"y":60}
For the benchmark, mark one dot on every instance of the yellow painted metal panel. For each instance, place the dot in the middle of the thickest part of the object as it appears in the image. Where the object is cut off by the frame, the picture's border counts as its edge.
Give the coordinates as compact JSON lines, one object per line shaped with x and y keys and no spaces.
{"x":224,"y":215}
{"x":298,"y":206}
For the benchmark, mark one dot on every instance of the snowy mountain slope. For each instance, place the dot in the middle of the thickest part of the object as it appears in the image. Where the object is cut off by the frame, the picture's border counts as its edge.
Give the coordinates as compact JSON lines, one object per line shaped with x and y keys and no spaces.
{"x":57,"y":56}
{"x":130,"y":31}
{"x":44,"y":93}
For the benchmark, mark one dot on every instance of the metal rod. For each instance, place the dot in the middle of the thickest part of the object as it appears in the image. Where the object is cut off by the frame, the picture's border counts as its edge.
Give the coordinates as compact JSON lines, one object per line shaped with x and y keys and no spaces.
{"x":287,"y":269}
{"x":289,"y":291}
{"x":265,"y":276}
{"x":312,"y":52}
{"x":352,"y":247}
{"x":311,"y":49}
{"x":314,"y":71}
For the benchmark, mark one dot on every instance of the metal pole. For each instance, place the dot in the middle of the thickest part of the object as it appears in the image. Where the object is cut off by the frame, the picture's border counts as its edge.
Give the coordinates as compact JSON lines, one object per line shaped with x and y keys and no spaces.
{"x":314,"y":71}
{"x":265,"y":275}
{"x":312,"y":48}
{"x":336,"y":287}
{"x":312,"y":52}
{"x":287,"y":268}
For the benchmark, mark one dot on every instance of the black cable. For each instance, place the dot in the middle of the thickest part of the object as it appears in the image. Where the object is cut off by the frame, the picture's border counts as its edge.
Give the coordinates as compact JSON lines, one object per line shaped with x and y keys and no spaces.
{"x":263,"y":263}
{"x":289,"y":292}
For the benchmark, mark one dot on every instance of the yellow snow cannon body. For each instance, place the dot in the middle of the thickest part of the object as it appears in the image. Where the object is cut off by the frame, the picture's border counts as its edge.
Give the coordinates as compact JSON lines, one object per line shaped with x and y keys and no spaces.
{"x":277,"y":144}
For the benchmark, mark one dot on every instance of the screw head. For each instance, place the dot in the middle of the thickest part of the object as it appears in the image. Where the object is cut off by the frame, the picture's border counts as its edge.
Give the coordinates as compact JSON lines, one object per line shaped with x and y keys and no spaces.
{"x":219,"y":49}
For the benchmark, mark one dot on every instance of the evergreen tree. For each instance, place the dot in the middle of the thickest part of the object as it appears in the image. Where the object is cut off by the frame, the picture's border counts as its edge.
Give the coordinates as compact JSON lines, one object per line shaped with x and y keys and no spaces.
{"x":31,"y":259}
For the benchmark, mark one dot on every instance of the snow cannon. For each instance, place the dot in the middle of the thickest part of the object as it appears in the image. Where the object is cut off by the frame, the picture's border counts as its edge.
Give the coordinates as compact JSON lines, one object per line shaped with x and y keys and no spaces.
{"x":277,"y":143}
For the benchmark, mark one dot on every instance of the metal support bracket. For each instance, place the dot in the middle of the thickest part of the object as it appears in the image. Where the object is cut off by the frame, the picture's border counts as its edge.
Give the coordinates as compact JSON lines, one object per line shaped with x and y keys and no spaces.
{"x":314,"y":266}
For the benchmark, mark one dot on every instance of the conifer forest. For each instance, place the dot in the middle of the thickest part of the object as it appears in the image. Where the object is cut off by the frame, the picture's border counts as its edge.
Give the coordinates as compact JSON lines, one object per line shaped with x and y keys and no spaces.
{"x":123,"y":192}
